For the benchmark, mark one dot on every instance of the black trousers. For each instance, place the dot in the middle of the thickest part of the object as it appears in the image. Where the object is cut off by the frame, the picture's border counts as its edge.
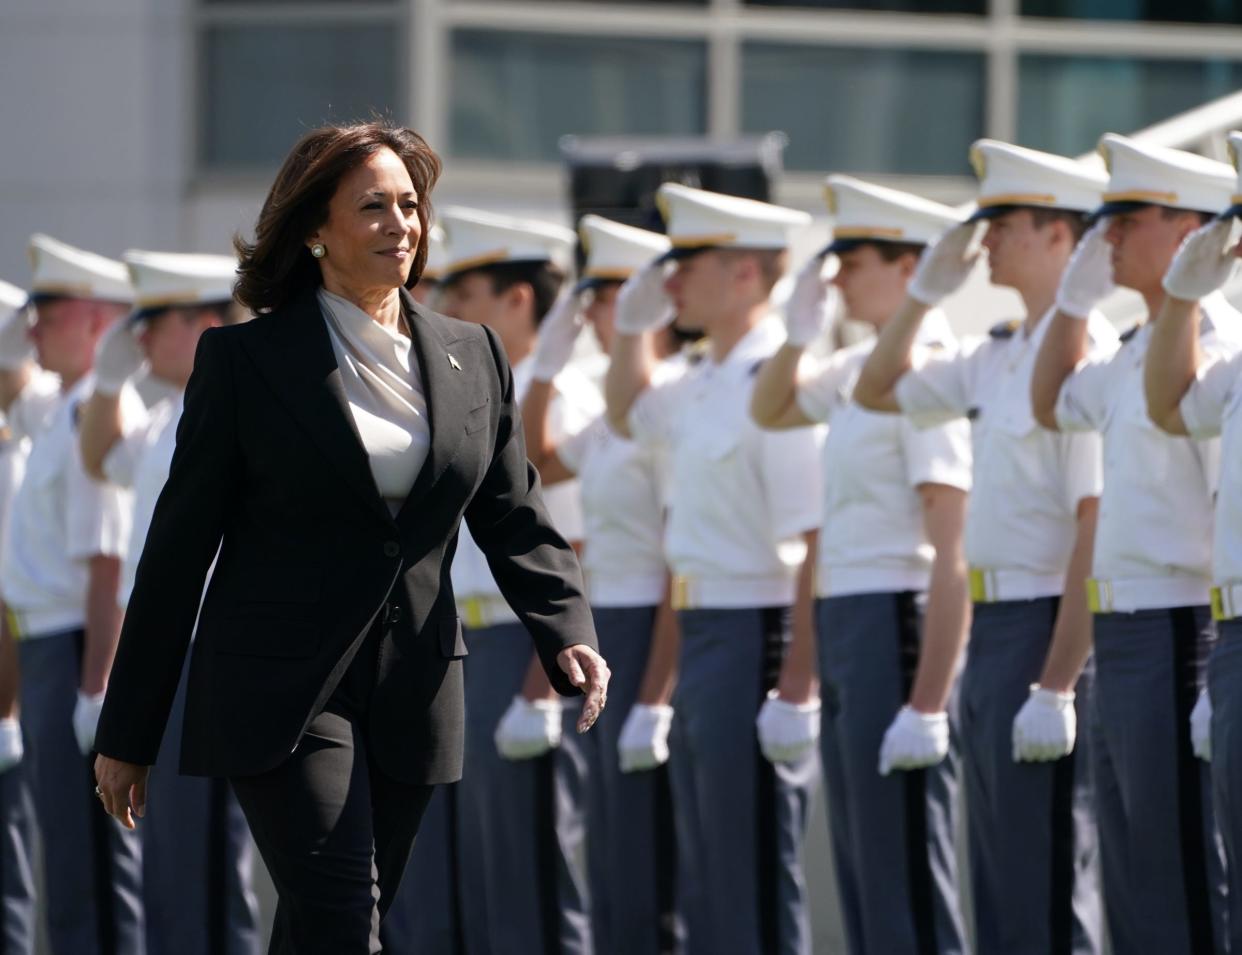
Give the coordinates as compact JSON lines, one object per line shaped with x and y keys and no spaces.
{"x":333,"y":829}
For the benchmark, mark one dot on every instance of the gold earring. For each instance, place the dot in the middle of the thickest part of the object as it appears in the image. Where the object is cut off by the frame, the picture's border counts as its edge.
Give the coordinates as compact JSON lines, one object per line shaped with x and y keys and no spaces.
{"x":318,"y":250}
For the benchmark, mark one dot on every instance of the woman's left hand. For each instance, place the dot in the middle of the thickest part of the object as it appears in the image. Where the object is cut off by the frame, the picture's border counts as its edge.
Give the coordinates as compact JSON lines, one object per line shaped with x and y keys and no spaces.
{"x":122,"y":788}
{"x":587,"y":670}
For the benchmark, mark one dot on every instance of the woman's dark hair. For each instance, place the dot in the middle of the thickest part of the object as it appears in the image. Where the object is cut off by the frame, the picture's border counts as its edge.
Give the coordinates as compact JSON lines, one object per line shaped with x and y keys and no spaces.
{"x":277,"y":265}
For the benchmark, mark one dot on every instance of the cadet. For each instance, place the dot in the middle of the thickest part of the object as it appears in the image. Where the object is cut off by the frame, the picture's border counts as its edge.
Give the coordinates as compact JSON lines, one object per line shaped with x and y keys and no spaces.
{"x":1161,"y":863}
{"x":197,"y":855}
{"x":17,"y":891}
{"x":428,"y":287}
{"x":520,"y":803}
{"x":59,"y":575}
{"x":742,"y":515}
{"x":1029,"y":528}
{"x":892,"y":603}
{"x":631,"y":855}
{"x":1193,"y":393}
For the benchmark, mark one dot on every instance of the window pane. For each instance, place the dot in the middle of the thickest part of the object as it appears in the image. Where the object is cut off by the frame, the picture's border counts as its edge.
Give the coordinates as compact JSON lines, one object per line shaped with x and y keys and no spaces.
{"x":515,"y":94}
{"x":873,"y":111}
{"x":887,"y":6}
{"x":1183,"y":11}
{"x":1066,"y":103}
{"x":266,"y":85}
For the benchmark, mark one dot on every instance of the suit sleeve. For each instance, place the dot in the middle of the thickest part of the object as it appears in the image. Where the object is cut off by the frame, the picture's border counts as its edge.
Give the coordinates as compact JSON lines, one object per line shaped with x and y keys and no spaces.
{"x":535,"y":568}
{"x":185,"y":534}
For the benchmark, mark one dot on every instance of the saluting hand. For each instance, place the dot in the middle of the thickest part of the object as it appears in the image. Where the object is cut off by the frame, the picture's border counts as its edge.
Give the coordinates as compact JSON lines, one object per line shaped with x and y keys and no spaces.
{"x":587,"y":670}
{"x":122,"y":787}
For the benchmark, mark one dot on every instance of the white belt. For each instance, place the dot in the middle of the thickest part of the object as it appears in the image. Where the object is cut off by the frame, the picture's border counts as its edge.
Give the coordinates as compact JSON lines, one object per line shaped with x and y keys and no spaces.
{"x":625,"y":590}
{"x":486,"y":610}
{"x":689,"y":593}
{"x":1145,"y":593}
{"x":992,"y":586}
{"x":24,"y":624}
{"x":841,"y":581}
{"x":1226,"y":602}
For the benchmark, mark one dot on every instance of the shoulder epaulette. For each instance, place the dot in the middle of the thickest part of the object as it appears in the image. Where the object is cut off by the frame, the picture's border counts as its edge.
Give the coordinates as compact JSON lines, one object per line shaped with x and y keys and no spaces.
{"x":1006,"y":329}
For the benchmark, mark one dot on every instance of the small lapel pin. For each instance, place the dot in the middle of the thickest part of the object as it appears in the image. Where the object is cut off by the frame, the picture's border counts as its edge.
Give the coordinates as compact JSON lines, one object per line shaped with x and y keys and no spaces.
{"x":453,"y":362}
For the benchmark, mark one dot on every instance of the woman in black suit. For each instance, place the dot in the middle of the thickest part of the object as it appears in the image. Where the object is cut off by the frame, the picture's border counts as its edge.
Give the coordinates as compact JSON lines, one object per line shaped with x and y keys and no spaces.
{"x":329,"y":450}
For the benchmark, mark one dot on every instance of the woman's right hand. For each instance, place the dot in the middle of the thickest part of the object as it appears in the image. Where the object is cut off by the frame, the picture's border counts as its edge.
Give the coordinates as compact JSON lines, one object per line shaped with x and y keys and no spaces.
{"x":122,"y":787}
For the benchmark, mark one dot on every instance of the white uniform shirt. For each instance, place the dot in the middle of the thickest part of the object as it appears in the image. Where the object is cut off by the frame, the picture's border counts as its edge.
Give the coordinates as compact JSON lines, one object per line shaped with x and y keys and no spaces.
{"x":623,"y":497}
{"x":141,"y":461}
{"x":873,"y":538}
{"x":572,"y":408}
{"x":1212,"y":407}
{"x":1027,"y":481}
{"x":739,"y":497}
{"x":1156,"y":509}
{"x":61,"y":517}
{"x":13,"y":453}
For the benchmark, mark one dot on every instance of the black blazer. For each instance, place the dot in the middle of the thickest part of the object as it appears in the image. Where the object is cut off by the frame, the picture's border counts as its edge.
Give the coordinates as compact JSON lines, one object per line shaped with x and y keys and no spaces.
{"x":269,"y":468}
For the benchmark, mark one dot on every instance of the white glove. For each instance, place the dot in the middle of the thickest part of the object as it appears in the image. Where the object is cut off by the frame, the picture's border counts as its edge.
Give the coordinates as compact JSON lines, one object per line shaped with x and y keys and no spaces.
{"x":118,"y":357}
{"x":814,"y":302}
{"x":1045,"y":727}
{"x":1204,"y":263}
{"x":16,"y":347}
{"x":914,"y":740}
{"x":557,"y":334}
{"x":529,"y":728}
{"x":85,"y":719}
{"x":643,"y":743}
{"x":642,"y":303}
{"x":787,"y":731}
{"x":1088,"y":276}
{"x":10,"y":743}
{"x":1201,"y":725}
{"x":944,"y":265}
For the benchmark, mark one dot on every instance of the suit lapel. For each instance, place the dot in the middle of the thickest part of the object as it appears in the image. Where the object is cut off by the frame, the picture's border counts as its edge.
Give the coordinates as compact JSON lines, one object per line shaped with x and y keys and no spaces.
{"x":299,"y":360}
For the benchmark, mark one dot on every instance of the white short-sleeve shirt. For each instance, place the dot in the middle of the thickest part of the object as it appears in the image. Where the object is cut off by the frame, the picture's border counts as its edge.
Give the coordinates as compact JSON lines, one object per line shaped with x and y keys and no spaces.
{"x":1156,"y":509}
{"x":1027,"y":481}
{"x":739,"y":497}
{"x":1212,"y":407}
{"x":140,"y":461}
{"x":61,"y":518}
{"x":574,"y":405}
{"x":624,"y":486}
{"x":873,"y":537}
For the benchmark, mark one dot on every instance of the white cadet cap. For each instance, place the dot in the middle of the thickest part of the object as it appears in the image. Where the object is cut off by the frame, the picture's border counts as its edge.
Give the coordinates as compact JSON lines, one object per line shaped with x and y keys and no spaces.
{"x":863,"y":212}
{"x":1012,"y":176}
{"x":436,"y":256}
{"x":696,"y":220}
{"x":476,"y":239}
{"x":68,"y":272}
{"x":11,"y":298}
{"x":169,"y":279}
{"x":1141,"y":175}
{"x":1235,"y":156}
{"x":614,"y":251}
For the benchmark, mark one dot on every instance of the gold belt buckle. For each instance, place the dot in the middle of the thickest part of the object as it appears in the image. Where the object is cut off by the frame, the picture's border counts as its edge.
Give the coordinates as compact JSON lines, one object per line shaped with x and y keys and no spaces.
{"x":979,"y":585}
{"x":475,"y":618}
{"x":13,"y":622}
{"x":1099,"y":595}
{"x":680,"y":592}
{"x":1219,"y":610}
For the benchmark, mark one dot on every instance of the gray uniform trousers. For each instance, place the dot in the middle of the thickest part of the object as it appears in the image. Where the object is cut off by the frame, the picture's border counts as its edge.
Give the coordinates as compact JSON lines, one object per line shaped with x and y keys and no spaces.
{"x":1162,"y":860}
{"x":520,"y":824}
{"x":92,"y":864}
{"x":1034,"y":855}
{"x":631,"y":849}
{"x":197,"y":859}
{"x":425,"y":917}
{"x":892,"y":837}
{"x":741,"y":821}
{"x":1225,"y":689}
{"x":17,"y":891}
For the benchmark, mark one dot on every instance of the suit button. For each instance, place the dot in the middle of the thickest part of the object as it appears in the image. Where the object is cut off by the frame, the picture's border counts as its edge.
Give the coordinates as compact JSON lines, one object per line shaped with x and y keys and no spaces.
{"x":392,"y":549}
{"x":394,"y":614}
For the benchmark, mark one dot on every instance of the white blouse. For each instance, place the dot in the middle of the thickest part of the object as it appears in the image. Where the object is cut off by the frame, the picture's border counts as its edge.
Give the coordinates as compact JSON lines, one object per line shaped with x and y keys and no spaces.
{"x":385,"y":393}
